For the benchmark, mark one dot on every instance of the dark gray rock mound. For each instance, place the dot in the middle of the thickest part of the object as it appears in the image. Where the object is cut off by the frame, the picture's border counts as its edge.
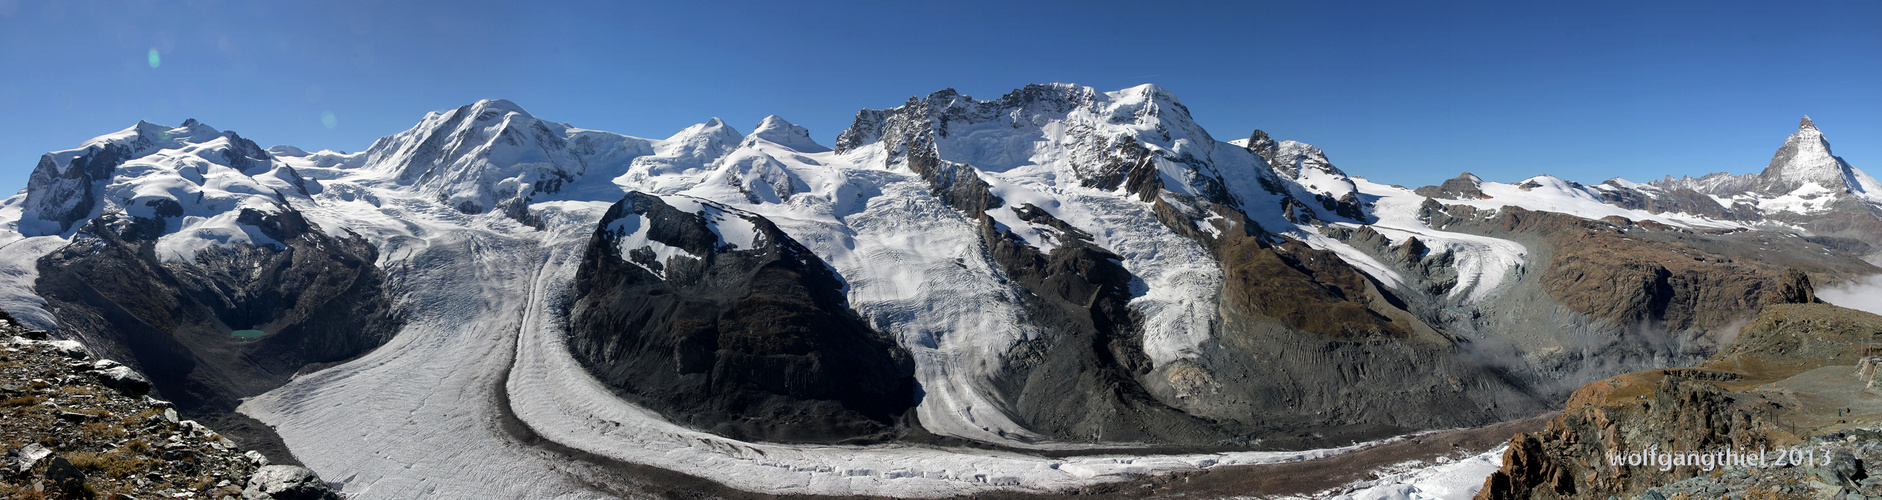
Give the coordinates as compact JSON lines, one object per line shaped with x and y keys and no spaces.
{"x":751,"y":343}
{"x":1462,"y":187}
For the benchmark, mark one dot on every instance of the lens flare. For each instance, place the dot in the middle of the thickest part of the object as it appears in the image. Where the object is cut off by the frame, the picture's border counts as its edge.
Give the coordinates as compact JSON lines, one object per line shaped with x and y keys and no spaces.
{"x":155,"y":60}
{"x":327,"y":119}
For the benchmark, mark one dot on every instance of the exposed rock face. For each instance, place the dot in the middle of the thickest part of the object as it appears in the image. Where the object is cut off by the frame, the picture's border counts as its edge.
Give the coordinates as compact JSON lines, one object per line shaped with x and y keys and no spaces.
{"x":719,"y":320}
{"x":1261,"y":145}
{"x":1794,"y":289}
{"x":1311,"y":290}
{"x":318,"y":299}
{"x":1632,"y":281}
{"x":1747,"y":398}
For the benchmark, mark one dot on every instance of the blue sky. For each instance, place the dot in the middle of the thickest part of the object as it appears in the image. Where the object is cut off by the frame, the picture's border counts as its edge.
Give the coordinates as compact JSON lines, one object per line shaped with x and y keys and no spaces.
{"x":1400,"y":92}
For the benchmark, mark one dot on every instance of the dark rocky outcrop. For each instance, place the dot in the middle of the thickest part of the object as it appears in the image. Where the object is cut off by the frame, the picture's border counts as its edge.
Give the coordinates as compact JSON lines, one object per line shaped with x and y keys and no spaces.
{"x":751,"y":343}
{"x":1794,"y":289}
{"x":316,"y":299}
{"x":1462,"y":187}
{"x":1312,"y":290}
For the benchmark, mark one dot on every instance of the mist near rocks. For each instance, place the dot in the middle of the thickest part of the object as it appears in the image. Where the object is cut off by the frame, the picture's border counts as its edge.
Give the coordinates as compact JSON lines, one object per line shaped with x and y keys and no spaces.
{"x":1863,"y":294}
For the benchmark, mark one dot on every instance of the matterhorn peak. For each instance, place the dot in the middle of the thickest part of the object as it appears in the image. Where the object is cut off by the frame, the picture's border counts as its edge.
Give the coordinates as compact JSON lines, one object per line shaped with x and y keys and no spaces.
{"x":787,"y":134}
{"x":1805,"y":158}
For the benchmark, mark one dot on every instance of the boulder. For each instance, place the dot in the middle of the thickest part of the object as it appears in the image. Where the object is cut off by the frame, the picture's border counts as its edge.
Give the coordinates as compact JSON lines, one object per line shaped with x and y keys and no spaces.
{"x":68,"y":348}
{"x":287,"y":482}
{"x":30,"y":456}
{"x":61,"y":479}
{"x":120,"y":377}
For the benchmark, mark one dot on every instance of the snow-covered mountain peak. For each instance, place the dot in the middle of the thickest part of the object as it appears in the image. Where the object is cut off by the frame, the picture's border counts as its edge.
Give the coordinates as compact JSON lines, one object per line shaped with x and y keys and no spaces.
{"x":488,"y":109}
{"x":490,"y":155}
{"x":708,"y":140}
{"x":188,"y":187}
{"x":787,"y":134}
{"x":1039,"y":124}
{"x":1152,"y":91}
{"x":1805,"y":158}
{"x":1803,"y":178}
{"x":192,"y":131}
{"x":145,"y":137}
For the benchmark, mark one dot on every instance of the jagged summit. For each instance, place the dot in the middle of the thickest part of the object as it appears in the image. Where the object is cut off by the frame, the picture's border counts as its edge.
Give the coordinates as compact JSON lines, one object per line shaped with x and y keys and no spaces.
{"x":1806,"y":124}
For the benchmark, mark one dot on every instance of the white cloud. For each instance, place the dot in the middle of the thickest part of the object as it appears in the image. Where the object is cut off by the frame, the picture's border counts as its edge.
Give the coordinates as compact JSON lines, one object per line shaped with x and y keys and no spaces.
{"x":1863,"y":294}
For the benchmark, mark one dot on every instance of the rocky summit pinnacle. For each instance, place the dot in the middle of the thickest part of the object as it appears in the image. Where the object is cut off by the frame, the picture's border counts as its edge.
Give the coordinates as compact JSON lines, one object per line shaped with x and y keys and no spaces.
{"x":1806,"y":124}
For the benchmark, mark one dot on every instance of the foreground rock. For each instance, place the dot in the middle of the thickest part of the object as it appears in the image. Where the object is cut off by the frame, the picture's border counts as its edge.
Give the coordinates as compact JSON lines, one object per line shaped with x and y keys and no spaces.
{"x":1792,"y":382}
{"x":72,"y":428}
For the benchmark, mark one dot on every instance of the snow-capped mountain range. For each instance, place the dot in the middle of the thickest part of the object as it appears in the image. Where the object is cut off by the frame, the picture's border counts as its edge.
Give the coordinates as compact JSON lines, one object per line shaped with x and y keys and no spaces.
{"x":1061,"y":268}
